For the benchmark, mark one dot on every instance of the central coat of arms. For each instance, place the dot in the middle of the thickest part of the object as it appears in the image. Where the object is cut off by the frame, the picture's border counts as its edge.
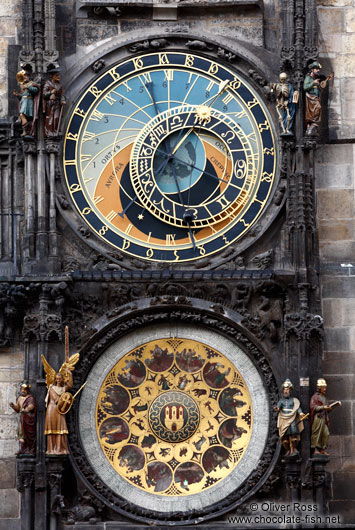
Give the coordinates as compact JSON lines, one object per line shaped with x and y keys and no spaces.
{"x":174,"y":416}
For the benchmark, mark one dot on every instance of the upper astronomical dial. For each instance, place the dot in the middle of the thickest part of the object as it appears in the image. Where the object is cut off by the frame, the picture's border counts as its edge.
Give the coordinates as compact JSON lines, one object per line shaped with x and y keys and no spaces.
{"x":169,"y":156}
{"x":170,"y":184}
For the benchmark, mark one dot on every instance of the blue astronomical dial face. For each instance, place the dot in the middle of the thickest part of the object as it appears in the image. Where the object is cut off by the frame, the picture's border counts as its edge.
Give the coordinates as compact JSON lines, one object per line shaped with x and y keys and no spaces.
{"x":170,"y":156}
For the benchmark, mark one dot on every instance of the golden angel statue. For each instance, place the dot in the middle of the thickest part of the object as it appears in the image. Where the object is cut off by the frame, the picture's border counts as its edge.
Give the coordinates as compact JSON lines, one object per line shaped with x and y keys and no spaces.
{"x":58,"y":401}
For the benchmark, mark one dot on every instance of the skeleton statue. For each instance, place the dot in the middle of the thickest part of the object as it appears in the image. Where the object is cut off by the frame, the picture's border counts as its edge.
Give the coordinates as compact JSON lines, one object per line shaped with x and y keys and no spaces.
{"x":286,"y":99}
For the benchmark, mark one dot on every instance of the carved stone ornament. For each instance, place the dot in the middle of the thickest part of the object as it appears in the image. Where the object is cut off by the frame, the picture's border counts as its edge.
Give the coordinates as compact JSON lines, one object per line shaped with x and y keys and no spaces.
{"x":287,"y":57}
{"x":98,"y":65}
{"x":198,"y":45}
{"x":224,"y":54}
{"x":148,"y":44}
{"x":303,"y":326}
{"x":33,"y":324}
{"x":154,"y":317}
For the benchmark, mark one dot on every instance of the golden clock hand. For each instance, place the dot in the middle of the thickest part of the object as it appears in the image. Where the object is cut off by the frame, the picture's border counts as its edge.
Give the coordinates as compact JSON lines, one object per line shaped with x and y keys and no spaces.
{"x":221,"y":88}
{"x":182,"y":140}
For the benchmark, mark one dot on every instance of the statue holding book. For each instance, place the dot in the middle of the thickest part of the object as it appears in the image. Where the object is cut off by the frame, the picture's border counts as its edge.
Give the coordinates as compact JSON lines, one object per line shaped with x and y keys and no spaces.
{"x":319,"y":410}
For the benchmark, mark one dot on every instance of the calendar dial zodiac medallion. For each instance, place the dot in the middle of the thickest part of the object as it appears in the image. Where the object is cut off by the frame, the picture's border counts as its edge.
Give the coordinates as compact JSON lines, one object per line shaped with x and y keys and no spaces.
{"x":170,"y":156}
{"x":174,"y":417}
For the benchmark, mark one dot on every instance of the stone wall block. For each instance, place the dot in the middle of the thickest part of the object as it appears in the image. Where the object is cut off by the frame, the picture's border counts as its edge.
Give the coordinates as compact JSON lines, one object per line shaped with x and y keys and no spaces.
{"x":10,"y":7}
{"x":335,"y":230}
{"x":341,"y":420}
{"x":334,"y":175}
{"x":10,"y":524}
{"x":337,"y":250}
{"x":349,"y":20}
{"x":335,"y":204}
{"x":336,"y":3}
{"x":335,"y":447}
{"x":7,"y":473}
{"x":331,"y":20}
{"x":8,"y":24}
{"x":352,"y":336}
{"x":348,"y":88}
{"x":348,"y":43}
{"x":330,"y":43}
{"x":8,"y":392}
{"x":343,"y":65}
{"x":341,"y":484}
{"x":8,"y":427}
{"x":337,"y":339}
{"x":331,"y":312}
{"x":349,"y":454}
{"x":9,"y":447}
{"x":346,"y":510}
{"x":340,"y":387}
{"x":329,"y":153}
{"x":338,"y":363}
{"x":9,"y":504}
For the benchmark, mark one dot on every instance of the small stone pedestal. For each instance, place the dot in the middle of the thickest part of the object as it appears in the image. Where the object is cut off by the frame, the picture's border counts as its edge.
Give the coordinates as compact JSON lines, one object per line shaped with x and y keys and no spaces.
{"x":320,"y":482}
{"x":55,"y":467}
{"x":25,"y":485}
{"x":292,"y":473}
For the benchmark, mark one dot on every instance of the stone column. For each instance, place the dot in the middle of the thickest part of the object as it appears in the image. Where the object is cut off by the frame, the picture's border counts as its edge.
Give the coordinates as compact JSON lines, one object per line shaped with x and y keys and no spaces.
{"x":320,"y":482}
{"x":292,"y":472}
{"x":55,"y":466}
{"x":25,"y":485}
{"x":29,"y":148}
{"x":52,"y":147}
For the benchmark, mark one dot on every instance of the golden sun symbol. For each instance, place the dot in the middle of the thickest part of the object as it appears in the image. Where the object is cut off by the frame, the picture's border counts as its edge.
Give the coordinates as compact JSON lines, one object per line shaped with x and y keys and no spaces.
{"x":203,"y":114}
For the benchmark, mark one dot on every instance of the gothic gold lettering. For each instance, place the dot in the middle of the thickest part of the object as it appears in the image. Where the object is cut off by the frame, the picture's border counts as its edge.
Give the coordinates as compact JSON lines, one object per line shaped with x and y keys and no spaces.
{"x":163,"y":58}
{"x":189,"y":61}
{"x":138,"y":64}
{"x":213,"y":69}
{"x":75,"y":187}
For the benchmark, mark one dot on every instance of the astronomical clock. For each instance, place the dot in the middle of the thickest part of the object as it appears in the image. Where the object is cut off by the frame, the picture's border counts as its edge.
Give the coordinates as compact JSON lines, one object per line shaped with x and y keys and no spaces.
{"x":169,"y":158}
{"x":171,"y":229}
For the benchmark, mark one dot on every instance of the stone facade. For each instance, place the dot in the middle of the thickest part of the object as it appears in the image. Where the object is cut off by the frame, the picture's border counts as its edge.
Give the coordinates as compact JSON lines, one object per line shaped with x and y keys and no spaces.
{"x":335,"y":183}
{"x":11,"y":361}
